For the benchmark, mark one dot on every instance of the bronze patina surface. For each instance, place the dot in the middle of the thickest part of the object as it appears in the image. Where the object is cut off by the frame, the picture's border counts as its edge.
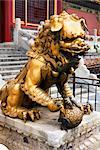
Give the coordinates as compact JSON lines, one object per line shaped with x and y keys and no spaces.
{"x":52,"y":58}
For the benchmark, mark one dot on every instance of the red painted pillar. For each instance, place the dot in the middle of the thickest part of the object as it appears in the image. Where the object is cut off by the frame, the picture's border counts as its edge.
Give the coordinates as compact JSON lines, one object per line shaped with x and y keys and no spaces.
{"x":59,"y":6}
{"x":6,"y":20}
{"x":0,"y":24}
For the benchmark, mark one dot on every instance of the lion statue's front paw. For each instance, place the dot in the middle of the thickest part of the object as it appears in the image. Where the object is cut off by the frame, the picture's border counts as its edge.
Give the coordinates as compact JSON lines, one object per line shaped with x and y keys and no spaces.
{"x":32,"y":114}
{"x":54,"y":105}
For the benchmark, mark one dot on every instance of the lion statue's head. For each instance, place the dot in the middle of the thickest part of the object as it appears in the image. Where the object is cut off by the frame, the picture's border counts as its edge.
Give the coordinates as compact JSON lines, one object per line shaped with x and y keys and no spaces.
{"x":62,"y":37}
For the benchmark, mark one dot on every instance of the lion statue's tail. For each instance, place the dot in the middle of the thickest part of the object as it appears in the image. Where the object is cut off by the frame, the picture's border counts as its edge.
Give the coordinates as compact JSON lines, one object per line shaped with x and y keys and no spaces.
{"x":3,"y":96}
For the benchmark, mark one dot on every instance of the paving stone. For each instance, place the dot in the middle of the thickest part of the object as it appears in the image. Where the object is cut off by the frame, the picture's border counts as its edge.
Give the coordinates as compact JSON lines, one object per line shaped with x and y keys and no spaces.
{"x":97,"y":137}
{"x":76,"y":148}
{"x":92,"y":139}
{"x":87,"y":143}
{"x":83,"y":147}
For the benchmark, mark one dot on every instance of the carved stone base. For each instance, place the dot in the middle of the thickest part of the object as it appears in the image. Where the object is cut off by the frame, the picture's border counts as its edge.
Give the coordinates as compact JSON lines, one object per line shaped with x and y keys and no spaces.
{"x":45,"y":134}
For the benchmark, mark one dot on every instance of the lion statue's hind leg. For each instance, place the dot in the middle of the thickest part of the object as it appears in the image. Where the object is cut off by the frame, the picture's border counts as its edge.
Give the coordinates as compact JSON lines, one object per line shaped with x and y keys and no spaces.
{"x":12,"y":106}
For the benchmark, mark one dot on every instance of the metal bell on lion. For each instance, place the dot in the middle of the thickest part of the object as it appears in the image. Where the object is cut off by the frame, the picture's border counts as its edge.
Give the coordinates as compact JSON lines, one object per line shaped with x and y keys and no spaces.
{"x":70,"y":117}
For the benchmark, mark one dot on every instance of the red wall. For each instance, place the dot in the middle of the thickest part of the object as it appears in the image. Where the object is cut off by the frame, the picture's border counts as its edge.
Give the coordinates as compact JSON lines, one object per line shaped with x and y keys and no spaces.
{"x":91,"y":19}
{"x":59,"y":6}
{"x":6,"y":20}
{"x":0,"y":21}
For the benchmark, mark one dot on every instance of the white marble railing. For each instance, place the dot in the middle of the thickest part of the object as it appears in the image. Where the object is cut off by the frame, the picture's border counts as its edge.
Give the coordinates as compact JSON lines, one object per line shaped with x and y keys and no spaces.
{"x":26,"y":38}
{"x":94,"y":43}
{"x":23,"y":37}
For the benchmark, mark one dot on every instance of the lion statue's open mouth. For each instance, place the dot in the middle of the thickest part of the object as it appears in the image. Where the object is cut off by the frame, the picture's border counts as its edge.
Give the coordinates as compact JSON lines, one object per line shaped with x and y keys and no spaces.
{"x":72,"y":32}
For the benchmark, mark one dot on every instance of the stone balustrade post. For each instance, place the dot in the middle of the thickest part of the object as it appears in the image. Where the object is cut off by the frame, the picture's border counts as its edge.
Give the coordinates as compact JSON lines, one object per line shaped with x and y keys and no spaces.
{"x":16,"y":30}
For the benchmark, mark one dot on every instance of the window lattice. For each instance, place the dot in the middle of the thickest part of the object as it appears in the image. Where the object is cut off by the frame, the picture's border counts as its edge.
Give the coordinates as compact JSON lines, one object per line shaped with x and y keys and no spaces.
{"x":20,"y":9}
{"x":36,"y":10}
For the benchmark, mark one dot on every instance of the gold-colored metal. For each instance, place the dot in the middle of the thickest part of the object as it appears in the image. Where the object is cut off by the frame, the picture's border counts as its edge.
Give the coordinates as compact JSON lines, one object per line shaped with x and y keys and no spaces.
{"x":53,"y":57}
{"x":71,"y":118}
{"x":47,"y":9}
{"x":26,"y":12}
{"x":13,"y":10}
{"x":55,"y":7}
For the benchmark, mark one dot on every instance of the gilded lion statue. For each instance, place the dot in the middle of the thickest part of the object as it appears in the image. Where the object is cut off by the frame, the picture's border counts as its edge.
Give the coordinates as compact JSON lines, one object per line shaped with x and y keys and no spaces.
{"x":52,"y":58}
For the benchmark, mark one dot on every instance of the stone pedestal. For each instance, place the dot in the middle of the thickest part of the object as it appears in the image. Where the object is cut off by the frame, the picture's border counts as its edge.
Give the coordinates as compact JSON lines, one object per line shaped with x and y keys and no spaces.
{"x":45,"y":134}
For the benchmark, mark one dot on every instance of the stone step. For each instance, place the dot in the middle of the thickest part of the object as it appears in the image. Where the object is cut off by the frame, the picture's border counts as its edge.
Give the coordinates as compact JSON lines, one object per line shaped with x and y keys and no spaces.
{"x":11,"y":48}
{"x":13,"y":55}
{"x":13,"y":58}
{"x":5,"y":47}
{"x":13,"y":62}
{"x":4,"y":72}
{"x":8,"y":77}
{"x":93,"y":143}
{"x":11,"y":51}
{"x":9,"y":67}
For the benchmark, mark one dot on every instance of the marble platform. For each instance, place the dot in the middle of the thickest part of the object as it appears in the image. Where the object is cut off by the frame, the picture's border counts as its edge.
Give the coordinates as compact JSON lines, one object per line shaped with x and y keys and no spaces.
{"x":45,"y":134}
